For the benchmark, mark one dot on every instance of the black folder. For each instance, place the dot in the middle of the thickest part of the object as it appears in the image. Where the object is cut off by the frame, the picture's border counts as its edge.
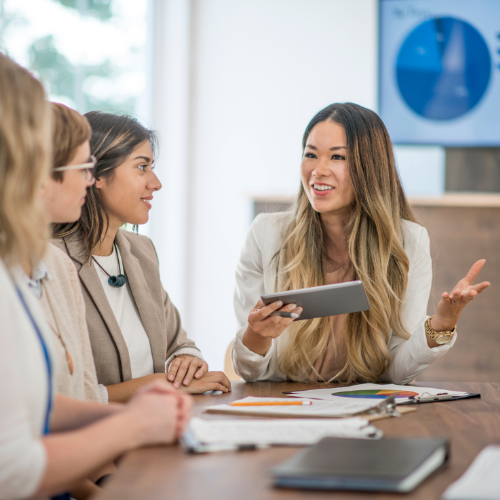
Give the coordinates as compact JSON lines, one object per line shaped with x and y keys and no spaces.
{"x":364,"y":465}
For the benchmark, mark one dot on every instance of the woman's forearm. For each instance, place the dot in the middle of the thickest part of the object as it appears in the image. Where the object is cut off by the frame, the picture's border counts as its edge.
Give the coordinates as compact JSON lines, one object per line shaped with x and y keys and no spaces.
{"x":73,"y":456}
{"x":72,"y":414}
{"x":122,"y":392}
{"x":256,"y":343}
{"x":84,"y":490}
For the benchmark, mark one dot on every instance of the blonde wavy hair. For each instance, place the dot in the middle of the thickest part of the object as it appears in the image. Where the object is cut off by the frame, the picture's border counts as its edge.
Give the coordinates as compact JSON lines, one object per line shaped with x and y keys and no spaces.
{"x":25,"y":162}
{"x":374,"y":241}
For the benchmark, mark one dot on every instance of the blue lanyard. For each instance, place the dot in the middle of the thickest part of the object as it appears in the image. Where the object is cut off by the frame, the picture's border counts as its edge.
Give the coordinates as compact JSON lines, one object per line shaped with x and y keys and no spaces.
{"x":46,"y":426}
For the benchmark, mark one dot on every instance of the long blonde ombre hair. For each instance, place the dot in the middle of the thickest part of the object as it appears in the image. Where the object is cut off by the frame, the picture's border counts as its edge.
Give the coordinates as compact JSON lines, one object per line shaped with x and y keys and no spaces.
{"x":25,"y":161}
{"x":374,"y":241}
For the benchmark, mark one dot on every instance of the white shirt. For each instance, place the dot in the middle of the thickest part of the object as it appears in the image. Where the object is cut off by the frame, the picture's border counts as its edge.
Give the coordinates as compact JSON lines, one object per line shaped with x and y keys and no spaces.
{"x":35,"y":282}
{"x":123,"y":306}
{"x":23,"y":389}
{"x":255,"y":276}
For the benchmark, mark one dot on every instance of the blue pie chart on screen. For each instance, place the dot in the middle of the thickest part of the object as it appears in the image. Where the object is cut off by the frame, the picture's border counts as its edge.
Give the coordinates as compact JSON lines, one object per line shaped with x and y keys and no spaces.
{"x":443,"y":68}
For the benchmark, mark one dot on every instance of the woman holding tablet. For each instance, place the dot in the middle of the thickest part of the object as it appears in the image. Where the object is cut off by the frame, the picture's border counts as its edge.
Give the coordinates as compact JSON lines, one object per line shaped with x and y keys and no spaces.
{"x":351,"y":221}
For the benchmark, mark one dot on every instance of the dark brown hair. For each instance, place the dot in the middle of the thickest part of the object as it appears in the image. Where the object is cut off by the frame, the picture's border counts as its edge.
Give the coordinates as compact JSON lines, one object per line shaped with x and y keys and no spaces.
{"x":69,"y":131}
{"x":114,"y":138}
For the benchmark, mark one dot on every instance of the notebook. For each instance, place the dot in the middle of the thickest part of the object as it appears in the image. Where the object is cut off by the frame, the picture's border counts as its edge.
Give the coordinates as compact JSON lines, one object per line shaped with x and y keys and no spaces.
{"x":480,"y":481}
{"x":397,"y":465}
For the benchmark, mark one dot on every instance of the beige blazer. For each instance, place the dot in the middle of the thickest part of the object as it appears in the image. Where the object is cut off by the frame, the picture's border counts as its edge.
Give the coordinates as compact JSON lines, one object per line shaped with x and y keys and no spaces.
{"x":64,"y":309}
{"x":159,"y":316}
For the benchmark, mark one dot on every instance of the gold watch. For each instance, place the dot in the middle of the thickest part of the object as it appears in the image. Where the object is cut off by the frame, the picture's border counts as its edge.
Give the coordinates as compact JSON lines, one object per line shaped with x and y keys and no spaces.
{"x":438,"y":337}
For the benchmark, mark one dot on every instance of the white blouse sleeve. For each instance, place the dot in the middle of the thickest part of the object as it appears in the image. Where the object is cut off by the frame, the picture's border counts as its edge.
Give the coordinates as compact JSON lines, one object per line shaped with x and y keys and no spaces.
{"x":409,"y":358}
{"x":249,"y":288}
{"x":22,"y":455}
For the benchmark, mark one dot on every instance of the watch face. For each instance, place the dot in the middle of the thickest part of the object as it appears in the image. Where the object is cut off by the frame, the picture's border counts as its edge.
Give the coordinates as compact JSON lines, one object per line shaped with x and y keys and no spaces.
{"x":443,"y":339}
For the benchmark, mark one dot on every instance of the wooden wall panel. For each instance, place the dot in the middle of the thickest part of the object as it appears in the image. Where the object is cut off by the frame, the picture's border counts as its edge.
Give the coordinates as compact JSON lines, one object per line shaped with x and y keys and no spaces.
{"x":459,"y":237}
{"x":472,"y":170}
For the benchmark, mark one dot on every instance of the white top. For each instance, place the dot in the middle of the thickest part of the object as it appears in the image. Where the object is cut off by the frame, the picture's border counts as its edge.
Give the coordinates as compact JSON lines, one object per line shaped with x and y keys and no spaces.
{"x":23,"y":389}
{"x":255,"y":276}
{"x":123,"y":306}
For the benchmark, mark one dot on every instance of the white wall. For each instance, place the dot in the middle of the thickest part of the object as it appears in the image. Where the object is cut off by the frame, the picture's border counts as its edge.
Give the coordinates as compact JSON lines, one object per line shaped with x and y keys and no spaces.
{"x":262,"y":70}
{"x":258,"y":72}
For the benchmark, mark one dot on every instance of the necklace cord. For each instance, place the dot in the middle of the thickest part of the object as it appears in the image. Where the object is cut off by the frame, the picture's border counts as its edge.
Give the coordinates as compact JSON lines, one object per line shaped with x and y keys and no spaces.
{"x":114,"y":281}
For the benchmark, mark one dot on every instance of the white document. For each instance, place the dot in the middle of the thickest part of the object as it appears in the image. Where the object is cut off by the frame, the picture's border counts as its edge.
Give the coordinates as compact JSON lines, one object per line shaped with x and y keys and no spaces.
{"x":290,"y":432}
{"x":332,"y":394}
{"x":481,"y":481}
{"x":334,"y":407}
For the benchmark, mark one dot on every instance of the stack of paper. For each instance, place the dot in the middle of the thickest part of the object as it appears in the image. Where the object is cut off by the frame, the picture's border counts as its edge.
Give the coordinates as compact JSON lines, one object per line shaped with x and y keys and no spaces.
{"x":291,"y":432}
{"x":480,"y":481}
{"x":334,"y":407}
{"x":374,"y":392}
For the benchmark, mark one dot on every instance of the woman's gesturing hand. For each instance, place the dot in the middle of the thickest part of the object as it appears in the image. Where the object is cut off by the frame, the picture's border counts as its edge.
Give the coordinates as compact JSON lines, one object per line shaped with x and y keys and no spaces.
{"x":451,"y":304}
{"x":262,"y":327}
{"x":184,"y":369}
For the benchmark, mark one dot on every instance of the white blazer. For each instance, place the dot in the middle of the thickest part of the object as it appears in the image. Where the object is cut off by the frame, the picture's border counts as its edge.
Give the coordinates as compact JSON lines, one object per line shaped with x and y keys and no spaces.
{"x":255,"y":276}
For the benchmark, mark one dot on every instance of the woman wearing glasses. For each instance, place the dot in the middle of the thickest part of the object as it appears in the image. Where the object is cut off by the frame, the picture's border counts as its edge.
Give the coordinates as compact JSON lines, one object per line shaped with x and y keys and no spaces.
{"x":135,"y":330}
{"x":54,"y":281}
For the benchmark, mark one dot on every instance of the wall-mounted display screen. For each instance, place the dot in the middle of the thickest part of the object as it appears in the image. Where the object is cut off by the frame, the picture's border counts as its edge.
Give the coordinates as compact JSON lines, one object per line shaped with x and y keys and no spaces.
{"x":440,"y":71}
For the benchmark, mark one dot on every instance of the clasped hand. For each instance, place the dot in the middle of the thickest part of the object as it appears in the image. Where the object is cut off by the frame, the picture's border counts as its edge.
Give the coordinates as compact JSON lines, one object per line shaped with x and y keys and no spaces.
{"x":163,"y":411}
{"x":192,"y":374}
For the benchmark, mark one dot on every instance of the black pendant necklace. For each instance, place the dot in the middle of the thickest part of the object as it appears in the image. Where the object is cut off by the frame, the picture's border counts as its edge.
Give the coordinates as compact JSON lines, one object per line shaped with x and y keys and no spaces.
{"x":114,"y":281}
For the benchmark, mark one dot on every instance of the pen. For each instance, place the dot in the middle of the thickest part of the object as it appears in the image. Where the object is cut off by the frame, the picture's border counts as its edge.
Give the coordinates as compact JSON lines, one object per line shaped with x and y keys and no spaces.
{"x":209,"y":448}
{"x":284,"y":314}
{"x":273,"y":403}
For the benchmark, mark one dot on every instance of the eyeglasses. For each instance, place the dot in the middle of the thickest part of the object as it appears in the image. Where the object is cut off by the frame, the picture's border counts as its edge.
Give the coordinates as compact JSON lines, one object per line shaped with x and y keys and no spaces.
{"x":87,"y":167}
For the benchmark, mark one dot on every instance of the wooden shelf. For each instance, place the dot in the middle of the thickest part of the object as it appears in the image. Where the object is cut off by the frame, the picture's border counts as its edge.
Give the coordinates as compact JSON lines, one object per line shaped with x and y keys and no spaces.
{"x":445,"y":200}
{"x":457,"y":200}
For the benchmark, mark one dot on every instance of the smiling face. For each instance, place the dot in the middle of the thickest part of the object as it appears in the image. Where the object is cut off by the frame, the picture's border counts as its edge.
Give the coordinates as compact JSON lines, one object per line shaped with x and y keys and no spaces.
{"x":127,"y":194}
{"x":63,"y":200}
{"x":324,"y":171}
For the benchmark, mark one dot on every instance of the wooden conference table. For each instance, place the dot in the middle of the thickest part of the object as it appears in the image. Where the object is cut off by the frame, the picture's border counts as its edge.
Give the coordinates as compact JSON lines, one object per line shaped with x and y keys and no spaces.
{"x":167,"y":473}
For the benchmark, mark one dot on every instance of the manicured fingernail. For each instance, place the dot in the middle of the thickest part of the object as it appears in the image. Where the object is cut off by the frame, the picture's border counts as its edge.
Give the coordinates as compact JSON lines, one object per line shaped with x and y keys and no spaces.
{"x":170,"y":377}
{"x":295,"y":316}
{"x":177,"y":384}
{"x":279,"y":303}
{"x":186,"y":381}
{"x":292,"y":306}
{"x":299,"y":310}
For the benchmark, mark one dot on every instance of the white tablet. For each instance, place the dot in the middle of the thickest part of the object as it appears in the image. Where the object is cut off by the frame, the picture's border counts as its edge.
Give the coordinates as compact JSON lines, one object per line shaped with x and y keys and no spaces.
{"x":328,"y":300}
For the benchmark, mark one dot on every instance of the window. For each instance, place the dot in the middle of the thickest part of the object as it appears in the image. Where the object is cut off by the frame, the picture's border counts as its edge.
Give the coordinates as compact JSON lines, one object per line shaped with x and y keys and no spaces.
{"x":89,"y":54}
